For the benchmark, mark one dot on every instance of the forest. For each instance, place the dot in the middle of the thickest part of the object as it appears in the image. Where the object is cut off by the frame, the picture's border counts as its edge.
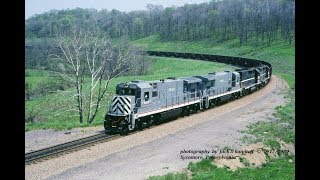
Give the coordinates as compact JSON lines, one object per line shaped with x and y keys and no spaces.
{"x":217,"y":20}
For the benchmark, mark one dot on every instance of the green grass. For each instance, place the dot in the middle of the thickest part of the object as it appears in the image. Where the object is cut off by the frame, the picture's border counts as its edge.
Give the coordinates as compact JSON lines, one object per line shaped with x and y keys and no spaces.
{"x":279,"y":168}
{"x":282,"y":128}
{"x":49,"y":106}
{"x":279,"y":53}
{"x":275,"y":169}
{"x":34,"y":76}
{"x":170,"y":176}
{"x":244,"y":161}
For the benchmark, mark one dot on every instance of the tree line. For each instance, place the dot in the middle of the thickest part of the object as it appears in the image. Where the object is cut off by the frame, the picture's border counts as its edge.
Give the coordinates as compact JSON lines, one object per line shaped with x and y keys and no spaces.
{"x":37,"y":55}
{"x":263,"y":20}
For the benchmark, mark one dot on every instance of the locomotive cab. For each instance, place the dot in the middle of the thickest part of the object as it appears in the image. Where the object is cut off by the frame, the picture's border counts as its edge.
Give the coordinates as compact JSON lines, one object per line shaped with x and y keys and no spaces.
{"x":127,"y":89}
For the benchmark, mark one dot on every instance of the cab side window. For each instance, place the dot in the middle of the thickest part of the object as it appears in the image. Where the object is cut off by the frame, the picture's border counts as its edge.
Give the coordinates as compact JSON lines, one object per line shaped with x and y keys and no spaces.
{"x":146,"y":96}
{"x":154,"y":93}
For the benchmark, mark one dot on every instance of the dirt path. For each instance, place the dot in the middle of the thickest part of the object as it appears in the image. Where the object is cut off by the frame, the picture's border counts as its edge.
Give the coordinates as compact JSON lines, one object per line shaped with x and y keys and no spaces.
{"x":156,"y":151}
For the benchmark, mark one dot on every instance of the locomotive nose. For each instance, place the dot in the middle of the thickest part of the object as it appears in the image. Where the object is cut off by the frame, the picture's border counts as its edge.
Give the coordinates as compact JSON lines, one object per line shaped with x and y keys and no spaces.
{"x":122,"y":105}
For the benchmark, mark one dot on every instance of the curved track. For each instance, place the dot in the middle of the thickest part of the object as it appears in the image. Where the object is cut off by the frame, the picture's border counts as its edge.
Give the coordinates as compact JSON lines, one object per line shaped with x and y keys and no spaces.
{"x":53,"y":151}
{"x":236,"y":61}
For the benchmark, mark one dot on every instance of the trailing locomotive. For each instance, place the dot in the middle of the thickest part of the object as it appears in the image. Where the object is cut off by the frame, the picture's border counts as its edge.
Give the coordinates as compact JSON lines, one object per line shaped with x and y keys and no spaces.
{"x":139,"y":104}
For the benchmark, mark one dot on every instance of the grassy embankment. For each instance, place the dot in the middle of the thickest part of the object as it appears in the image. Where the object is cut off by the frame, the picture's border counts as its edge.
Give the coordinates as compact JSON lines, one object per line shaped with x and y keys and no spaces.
{"x":274,"y":169}
{"x":282,"y":56}
{"x":49,"y":106}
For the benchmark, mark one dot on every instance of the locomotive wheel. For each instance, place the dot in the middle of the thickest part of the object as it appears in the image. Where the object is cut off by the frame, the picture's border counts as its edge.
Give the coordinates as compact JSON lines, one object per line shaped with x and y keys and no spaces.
{"x":139,"y":125}
{"x":196,"y":109}
{"x":142,"y":125}
{"x":149,"y":122}
{"x":187,"y":111}
{"x":157,"y":122}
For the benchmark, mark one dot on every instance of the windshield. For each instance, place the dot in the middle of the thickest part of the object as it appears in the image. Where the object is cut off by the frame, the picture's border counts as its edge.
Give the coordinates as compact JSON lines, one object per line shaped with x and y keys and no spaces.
{"x":126,"y":91}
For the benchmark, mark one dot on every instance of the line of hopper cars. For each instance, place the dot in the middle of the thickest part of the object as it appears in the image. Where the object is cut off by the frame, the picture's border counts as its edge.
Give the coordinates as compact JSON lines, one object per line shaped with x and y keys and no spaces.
{"x":139,"y":104}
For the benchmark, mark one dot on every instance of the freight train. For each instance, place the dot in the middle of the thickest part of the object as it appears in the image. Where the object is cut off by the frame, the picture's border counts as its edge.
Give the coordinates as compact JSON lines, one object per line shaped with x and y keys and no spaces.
{"x":139,"y":104}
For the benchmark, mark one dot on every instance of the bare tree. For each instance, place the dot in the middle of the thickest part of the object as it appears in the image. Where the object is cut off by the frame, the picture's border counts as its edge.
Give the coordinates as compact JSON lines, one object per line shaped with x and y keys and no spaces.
{"x":86,"y":55}
{"x":99,"y":57}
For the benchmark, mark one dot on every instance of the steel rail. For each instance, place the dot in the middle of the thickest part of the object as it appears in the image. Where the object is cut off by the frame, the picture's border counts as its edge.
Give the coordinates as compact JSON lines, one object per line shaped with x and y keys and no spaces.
{"x":84,"y":142}
{"x":65,"y":147}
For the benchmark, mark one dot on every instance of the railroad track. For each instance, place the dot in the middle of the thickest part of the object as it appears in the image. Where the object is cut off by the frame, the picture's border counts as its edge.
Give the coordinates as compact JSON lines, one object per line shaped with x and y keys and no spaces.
{"x":50,"y":152}
{"x":71,"y":146}
{"x":53,"y":151}
{"x":235,"y":61}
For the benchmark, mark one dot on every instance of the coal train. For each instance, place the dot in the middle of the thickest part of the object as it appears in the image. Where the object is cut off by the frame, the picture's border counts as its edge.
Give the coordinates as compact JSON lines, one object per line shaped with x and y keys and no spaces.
{"x":139,"y":104}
